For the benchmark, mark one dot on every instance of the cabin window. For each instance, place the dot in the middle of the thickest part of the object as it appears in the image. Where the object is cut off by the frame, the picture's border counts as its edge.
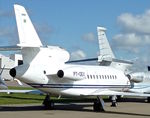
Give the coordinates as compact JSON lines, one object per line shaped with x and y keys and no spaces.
{"x":108,"y":76}
{"x":44,"y":72}
{"x":91,"y":76}
{"x":88,"y":76}
{"x":97,"y":76}
{"x":94,"y":76}
{"x":100,"y":76}
{"x":112,"y":77}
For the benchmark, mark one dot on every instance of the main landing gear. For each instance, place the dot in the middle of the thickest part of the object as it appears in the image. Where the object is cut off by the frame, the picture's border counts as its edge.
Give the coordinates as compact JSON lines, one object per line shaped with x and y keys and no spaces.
{"x":48,"y":104}
{"x":98,"y":105}
{"x":148,"y":99}
{"x":113,"y":101}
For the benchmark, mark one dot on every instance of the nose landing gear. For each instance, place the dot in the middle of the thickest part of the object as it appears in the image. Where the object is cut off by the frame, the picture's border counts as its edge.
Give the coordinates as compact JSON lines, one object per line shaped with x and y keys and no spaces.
{"x":48,"y":103}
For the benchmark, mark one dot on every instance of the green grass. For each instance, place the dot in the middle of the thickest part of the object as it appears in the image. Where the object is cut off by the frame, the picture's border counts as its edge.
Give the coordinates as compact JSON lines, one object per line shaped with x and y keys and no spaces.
{"x":20,"y":88}
{"x":21,"y":98}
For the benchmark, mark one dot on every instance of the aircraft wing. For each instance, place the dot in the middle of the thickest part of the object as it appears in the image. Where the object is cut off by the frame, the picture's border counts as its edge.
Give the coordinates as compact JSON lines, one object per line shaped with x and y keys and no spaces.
{"x":3,"y":86}
{"x":8,"y":48}
{"x":2,"y":83}
{"x":111,"y":93}
{"x":21,"y":91}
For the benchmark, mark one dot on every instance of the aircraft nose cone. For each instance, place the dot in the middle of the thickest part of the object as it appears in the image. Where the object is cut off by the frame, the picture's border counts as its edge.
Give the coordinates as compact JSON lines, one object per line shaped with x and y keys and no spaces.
{"x":12,"y":72}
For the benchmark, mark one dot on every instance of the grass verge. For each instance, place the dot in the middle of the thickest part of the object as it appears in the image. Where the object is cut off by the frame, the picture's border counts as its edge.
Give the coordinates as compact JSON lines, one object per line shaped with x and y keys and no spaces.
{"x":22,"y":98}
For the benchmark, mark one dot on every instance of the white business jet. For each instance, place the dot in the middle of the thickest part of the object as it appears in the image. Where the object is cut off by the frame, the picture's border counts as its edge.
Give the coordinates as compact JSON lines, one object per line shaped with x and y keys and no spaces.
{"x":140,"y":80}
{"x":45,"y":68}
{"x":142,"y":85}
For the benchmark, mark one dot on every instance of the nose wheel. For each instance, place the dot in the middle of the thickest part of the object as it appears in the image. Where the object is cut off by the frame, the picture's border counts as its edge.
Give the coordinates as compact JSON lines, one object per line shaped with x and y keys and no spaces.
{"x":48,"y":103}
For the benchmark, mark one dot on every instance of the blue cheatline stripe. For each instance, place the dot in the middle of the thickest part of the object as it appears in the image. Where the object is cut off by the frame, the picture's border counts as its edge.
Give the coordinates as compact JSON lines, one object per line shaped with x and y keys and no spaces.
{"x":77,"y":86}
{"x":140,"y":87}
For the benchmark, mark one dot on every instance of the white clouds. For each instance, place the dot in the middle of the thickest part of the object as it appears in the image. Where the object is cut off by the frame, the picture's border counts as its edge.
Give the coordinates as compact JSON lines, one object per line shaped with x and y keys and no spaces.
{"x":131,"y":39}
{"x":128,"y":39}
{"x":135,"y":30}
{"x":134,"y":36}
{"x":88,"y":36}
{"x":135,"y":23}
{"x":79,"y":54}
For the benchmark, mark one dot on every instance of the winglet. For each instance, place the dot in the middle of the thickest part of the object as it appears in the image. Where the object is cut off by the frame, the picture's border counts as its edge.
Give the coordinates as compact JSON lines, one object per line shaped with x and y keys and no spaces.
{"x":28,"y":36}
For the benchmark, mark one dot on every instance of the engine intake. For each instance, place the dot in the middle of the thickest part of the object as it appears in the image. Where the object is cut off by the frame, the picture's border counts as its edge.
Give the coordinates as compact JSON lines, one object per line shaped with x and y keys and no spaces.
{"x":12,"y":72}
{"x":137,"y":78}
{"x":60,"y":73}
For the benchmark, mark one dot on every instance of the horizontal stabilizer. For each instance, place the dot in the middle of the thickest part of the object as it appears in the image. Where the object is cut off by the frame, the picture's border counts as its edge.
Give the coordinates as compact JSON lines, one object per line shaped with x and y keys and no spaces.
{"x":96,"y":59}
{"x":82,"y":60}
{"x":21,"y":91}
{"x":10,"y":48}
{"x":122,"y":61}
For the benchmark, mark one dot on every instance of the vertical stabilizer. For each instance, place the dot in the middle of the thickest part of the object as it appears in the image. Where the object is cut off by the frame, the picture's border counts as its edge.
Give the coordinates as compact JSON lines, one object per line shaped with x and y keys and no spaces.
{"x":107,"y":57}
{"x":105,"y":49}
{"x":28,"y":37}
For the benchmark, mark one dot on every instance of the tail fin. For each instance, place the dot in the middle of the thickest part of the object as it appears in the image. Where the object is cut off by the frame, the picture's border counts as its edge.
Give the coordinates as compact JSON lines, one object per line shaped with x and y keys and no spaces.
{"x":106,"y":57}
{"x":29,"y":40}
{"x":105,"y":49}
{"x":28,"y":37}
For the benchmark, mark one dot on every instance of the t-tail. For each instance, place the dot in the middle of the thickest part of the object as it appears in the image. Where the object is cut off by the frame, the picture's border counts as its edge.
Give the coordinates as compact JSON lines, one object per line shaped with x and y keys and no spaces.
{"x":28,"y":36}
{"x":106,"y":56}
{"x":29,"y":40}
{"x":106,"y":52}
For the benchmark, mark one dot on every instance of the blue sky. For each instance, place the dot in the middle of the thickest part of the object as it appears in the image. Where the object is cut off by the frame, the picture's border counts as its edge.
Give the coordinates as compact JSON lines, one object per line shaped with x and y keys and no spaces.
{"x":72,"y":24}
